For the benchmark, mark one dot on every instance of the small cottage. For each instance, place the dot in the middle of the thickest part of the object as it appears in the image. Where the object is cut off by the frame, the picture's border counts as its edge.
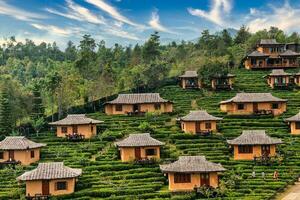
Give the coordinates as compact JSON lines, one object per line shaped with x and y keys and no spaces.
{"x":253,"y":144}
{"x":199,"y":122}
{"x":297,"y":79}
{"x":189,"y":80}
{"x":190,"y":172}
{"x":294,"y":123}
{"x":222,"y":82}
{"x":139,"y":147}
{"x":76,"y":124}
{"x":253,"y":103}
{"x":19,"y":149}
{"x":50,"y":179}
{"x":137,"y":104}
{"x":279,"y":79}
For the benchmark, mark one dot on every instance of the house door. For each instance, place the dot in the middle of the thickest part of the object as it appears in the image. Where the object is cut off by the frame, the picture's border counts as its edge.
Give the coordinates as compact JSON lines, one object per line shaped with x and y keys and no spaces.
{"x":45,"y":187}
{"x":204,"y":179}
{"x":11,"y":155}
{"x":255,"y":107}
{"x":197,"y":127}
{"x":265,"y":150}
{"x":75,"y":129}
{"x":136,"y":108}
{"x":137,"y":153}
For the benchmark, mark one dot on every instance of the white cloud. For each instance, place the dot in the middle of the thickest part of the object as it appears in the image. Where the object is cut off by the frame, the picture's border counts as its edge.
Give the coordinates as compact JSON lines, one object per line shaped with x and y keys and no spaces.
{"x":156,"y":25}
{"x":217,"y":13}
{"x":79,"y":13}
{"x":17,"y":13}
{"x":56,"y":30}
{"x":122,"y":34}
{"x":113,"y":12}
{"x":284,"y":17}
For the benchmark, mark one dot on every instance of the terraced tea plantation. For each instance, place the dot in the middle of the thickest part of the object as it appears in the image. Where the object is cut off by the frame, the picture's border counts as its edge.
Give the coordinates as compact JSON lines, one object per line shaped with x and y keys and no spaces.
{"x":106,"y":177}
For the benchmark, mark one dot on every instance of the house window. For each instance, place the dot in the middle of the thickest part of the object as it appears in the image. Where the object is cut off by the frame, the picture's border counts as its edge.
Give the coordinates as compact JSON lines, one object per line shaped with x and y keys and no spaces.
{"x":119,"y":107}
{"x":275,"y":106}
{"x":1,"y":155}
{"x":92,"y":128}
{"x":207,"y":125}
{"x":64,"y":129}
{"x":245,"y":149}
{"x":150,"y":152}
{"x":61,"y":185}
{"x":182,"y":178}
{"x":241,"y":106}
{"x":157,"y":106}
{"x":31,"y":154}
{"x":297,"y":125}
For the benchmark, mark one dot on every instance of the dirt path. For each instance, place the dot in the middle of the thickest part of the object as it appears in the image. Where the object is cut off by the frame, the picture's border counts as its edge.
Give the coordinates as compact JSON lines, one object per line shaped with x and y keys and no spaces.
{"x":292,"y":193}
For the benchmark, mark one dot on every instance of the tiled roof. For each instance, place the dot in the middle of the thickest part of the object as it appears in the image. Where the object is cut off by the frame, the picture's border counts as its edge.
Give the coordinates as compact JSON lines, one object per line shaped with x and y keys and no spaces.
{"x":257,"y":54}
{"x":19,"y":143}
{"x":268,"y":41}
{"x":199,"y":115}
{"x":138,"y":98}
{"x":295,"y":118}
{"x":139,"y":140}
{"x":254,"y":137}
{"x":47,"y":171}
{"x":279,"y":72}
{"x":289,"y":53}
{"x":76,"y":119}
{"x":253,"y":97}
{"x":189,"y":74}
{"x":190,"y":164}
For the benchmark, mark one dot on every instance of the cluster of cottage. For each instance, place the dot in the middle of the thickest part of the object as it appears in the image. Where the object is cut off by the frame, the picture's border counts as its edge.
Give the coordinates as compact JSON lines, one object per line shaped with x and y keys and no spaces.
{"x":187,"y":172}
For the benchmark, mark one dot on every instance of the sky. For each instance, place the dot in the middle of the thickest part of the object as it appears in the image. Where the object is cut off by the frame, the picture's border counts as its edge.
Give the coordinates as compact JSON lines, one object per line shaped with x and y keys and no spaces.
{"x":132,"y":21}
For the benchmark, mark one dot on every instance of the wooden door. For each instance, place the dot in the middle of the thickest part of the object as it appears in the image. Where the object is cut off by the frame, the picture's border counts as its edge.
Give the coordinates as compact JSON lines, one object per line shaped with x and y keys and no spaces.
{"x":45,"y":187}
{"x":197,"y":127}
{"x":137,"y":153}
{"x":75,"y":129}
{"x":265,"y":150}
{"x":136,"y":108}
{"x":11,"y":155}
{"x":255,"y":107}
{"x":204,"y":179}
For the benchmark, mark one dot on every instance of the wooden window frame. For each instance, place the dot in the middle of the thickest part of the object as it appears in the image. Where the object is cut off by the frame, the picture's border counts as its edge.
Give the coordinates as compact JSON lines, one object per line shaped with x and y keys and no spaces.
{"x":245,"y":149}
{"x":241,"y":106}
{"x":64,"y":129}
{"x":32,"y":154}
{"x":275,"y":107}
{"x":119,"y":107}
{"x":182,"y":178}
{"x":208,"y":125}
{"x":151,"y":152}
{"x":297,"y":125}
{"x":61,"y":185}
{"x":1,"y":155}
{"x":157,"y":106}
{"x":92,"y":128}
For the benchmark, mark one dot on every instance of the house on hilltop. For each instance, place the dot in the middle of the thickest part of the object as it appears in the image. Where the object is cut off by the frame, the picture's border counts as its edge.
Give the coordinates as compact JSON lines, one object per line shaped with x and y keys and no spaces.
{"x":222,"y":82}
{"x":279,"y":79}
{"x":294,"y":123}
{"x":19,"y":149}
{"x":139,"y":147}
{"x":199,"y":122}
{"x":190,"y":80}
{"x":75,"y":124}
{"x":138,"y":103}
{"x":253,"y":103}
{"x":50,"y":179}
{"x":190,"y":172}
{"x":254,"y":144}
{"x":271,"y":54}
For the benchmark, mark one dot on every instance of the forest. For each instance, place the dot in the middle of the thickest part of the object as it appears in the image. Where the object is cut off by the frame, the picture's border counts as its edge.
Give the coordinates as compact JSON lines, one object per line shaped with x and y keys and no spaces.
{"x":37,"y":81}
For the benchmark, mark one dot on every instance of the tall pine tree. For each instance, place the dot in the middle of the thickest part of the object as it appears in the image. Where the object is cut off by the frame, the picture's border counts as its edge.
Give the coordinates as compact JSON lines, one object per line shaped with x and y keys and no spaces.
{"x":6,"y":119}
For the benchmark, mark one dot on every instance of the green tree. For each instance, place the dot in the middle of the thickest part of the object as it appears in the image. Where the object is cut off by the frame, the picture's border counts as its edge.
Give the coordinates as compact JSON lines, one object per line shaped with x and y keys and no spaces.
{"x":242,"y":35}
{"x":151,"y":49}
{"x":6,"y":115}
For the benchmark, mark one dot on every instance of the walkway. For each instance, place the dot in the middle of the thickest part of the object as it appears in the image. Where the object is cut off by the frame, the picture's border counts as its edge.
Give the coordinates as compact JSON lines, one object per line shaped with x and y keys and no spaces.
{"x":292,"y":193}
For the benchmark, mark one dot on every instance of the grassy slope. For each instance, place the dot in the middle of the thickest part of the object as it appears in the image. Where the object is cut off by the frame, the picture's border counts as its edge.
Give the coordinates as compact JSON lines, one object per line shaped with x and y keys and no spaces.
{"x":106,"y":177}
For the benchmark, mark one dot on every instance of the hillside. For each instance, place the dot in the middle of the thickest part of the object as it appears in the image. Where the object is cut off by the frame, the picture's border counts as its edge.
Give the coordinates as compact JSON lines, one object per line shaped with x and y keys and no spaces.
{"x":105,"y":177}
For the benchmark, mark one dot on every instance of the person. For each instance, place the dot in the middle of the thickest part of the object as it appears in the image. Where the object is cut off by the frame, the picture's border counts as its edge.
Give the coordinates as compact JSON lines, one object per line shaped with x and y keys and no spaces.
{"x":275,"y":175}
{"x":263,"y":175}
{"x":253,"y":174}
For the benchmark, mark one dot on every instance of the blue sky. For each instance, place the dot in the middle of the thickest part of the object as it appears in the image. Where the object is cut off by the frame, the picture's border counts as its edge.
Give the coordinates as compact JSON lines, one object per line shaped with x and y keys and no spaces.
{"x":132,"y":21}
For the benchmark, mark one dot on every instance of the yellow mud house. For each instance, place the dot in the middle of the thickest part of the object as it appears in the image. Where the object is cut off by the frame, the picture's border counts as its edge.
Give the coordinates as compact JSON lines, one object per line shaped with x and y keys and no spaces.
{"x":199,"y":122}
{"x":294,"y":123}
{"x":279,"y":79}
{"x":76,"y":124}
{"x":50,"y":179}
{"x":190,"y":80}
{"x":297,"y":79}
{"x":222,"y":82}
{"x":19,"y":149}
{"x":271,"y":54}
{"x":139,"y":147}
{"x":138,"y":103}
{"x":254,"y":144}
{"x":190,"y":172}
{"x":253,"y":103}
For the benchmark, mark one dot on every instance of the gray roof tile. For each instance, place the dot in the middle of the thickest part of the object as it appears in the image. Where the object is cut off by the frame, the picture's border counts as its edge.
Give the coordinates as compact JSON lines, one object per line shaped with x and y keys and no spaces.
{"x":199,"y":115}
{"x":19,"y":143}
{"x":295,"y":118}
{"x":138,"y":98}
{"x":257,"y":54}
{"x":253,"y":97}
{"x":279,"y":72}
{"x":139,"y":140}
{"x":76,"y":119}
{"x":189,"y":74}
